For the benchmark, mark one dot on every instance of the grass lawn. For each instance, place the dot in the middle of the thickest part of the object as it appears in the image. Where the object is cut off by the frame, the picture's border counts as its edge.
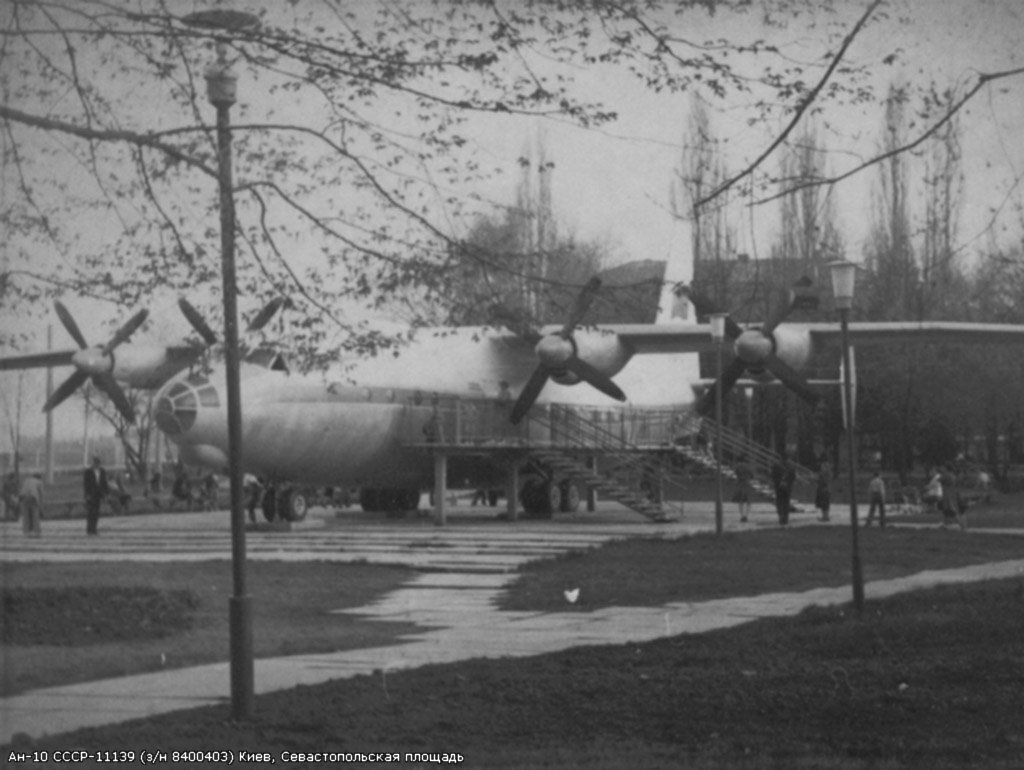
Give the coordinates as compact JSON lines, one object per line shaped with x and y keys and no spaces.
{"x":930,"y":679}
{"x":64,"y":623}
{"x":653,"y":572}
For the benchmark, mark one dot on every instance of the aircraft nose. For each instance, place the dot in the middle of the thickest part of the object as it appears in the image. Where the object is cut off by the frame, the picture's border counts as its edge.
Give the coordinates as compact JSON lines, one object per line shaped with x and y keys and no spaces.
{"x":92,"y":361}
{"x":176,"y":409}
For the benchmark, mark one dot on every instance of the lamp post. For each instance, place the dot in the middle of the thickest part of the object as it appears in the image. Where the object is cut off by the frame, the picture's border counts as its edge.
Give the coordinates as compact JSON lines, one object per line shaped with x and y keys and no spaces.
{"x":221,"y":83}
{"x":718,"y":335}
{"x":844,"y":276}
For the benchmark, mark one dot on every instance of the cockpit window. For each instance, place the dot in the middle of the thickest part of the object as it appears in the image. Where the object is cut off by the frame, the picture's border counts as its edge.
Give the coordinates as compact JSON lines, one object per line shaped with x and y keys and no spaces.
{"x":208,"y":396}
{"x":176,"y":409}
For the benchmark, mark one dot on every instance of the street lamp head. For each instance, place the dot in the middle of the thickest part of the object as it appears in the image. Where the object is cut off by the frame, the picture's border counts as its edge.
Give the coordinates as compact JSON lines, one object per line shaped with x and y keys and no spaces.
{"x":221,"y":81}
{"x":844,"y":278}
{"x":718,"y":326}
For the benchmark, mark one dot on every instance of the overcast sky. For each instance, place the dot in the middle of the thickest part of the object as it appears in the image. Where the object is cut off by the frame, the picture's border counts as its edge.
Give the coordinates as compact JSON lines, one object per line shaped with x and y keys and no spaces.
{"x":612,"y":184}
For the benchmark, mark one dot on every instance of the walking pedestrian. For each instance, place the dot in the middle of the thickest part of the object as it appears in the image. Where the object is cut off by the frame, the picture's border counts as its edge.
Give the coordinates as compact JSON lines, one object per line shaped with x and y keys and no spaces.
{"x":96,"y":489}
{"x":31,"y":505}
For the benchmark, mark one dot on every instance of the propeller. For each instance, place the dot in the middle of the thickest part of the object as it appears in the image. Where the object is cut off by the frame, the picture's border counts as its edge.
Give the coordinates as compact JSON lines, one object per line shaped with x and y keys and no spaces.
{"x":756,"y":348}
{"x":261,"y":319}
{"x":95,"y":363}
{"x":558,"y":355}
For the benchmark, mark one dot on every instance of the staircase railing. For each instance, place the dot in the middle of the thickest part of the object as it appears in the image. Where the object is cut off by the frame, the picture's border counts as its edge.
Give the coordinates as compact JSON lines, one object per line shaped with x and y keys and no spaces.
{"x":634,"y":465}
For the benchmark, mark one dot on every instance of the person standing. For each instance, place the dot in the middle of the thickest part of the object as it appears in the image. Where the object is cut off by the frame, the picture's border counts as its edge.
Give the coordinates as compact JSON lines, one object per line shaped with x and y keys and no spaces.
{"x":950,"y":498}
{"x":783,"y":477}
{"x":31,"y":505}
{"x":876,"y":494}
{"x":253,"y":494}
{"x":10,"y":495}
{"x":96,"y":488}
{"x":823,"y":490}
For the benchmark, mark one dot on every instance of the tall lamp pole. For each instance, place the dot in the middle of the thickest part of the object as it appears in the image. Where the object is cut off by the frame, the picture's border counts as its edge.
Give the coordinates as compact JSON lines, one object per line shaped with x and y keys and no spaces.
{"x":844,"y":276}
{"x":221,"y":85}
{"x":718,"y":335}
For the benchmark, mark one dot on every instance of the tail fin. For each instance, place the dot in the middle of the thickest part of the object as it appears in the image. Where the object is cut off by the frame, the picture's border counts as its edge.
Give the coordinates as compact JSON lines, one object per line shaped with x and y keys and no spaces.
{"x":673,"y":305}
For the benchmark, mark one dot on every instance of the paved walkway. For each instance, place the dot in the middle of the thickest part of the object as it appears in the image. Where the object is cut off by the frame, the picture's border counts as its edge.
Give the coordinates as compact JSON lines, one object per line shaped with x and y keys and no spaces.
{"x":455,"y":609}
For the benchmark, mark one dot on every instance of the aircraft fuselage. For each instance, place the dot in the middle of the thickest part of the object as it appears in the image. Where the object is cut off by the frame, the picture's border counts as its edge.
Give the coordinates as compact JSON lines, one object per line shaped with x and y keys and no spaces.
{"x":369,"y":424}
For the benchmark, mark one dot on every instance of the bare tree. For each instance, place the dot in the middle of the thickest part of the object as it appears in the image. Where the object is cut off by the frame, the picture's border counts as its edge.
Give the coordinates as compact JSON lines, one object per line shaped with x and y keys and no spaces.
{"x":352,"y":163}
{"x":701,"y":169}
{"x":135,"y":436}
{"x":11,"y":398}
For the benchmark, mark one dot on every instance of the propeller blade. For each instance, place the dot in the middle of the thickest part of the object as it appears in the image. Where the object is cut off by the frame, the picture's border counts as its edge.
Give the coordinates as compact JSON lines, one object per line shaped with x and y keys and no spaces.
{"x":108,"y":385}
{"x":705,"y":307}
{"x":594,"y":377}
{"x":790,"y":378}
{"x":529,"y":394}
{"x":70,"y":325}
{"x":37,"y":360}
{"x":800,"y":297}
{"x":126,"y":331}
{"x":197,"y":322}
{"x":583,"y":303}
{"x":730,"y":375}
{"x":66,"y":388}
{"x":269,"y":310}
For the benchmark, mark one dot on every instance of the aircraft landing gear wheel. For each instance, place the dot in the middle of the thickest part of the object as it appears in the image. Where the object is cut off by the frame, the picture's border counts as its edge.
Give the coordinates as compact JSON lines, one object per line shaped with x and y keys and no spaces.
{"x":369,"y":500}
{"x":269,"y":504}
{"x":569,"y":497}
{"x":292,"y":505}
{"x":540,"y":499}
{"x":410,"y":499}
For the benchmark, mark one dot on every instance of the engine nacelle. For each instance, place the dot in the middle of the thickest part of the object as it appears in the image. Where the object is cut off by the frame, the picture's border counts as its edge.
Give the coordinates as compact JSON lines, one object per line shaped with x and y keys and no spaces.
{"x":793,"y":345}
{"x":602,"y":350}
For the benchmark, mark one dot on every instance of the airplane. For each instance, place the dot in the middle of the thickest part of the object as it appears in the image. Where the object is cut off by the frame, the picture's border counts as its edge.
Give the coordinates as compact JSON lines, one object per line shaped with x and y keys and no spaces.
{"x":381,"y":424}
{"x":137,"y":365}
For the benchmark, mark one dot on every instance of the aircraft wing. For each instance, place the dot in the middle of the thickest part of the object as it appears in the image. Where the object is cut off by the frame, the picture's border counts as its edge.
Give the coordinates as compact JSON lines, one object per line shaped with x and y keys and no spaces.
{"x":887,"y":332}
{"x":686,"y":338}
{"x":37,"y":360}
{"x":663,"y":338}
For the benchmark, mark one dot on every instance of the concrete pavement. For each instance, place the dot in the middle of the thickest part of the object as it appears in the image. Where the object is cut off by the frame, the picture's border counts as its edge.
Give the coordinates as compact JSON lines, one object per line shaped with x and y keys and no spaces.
{"x":452,"y":600}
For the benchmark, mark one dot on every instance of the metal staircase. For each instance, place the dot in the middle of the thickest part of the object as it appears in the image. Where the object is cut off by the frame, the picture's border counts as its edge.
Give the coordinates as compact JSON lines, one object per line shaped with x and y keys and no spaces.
{"x":736,"y":446}
{"x":568,"y":456}
{"x":640,"y":463}
{"x":573,"y":468}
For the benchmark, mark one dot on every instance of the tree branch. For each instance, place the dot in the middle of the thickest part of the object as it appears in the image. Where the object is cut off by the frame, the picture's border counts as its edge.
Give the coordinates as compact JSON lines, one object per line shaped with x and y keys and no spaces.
{"x":984,"y":79}
{"x":129,"y":137}
{"x":800,"y":110}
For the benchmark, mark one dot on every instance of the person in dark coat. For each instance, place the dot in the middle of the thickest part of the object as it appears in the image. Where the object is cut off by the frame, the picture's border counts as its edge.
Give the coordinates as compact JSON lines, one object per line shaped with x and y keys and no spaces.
{"x":823,"y":490}
{"x":783,"y":478}
{"x":96,"y":489}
